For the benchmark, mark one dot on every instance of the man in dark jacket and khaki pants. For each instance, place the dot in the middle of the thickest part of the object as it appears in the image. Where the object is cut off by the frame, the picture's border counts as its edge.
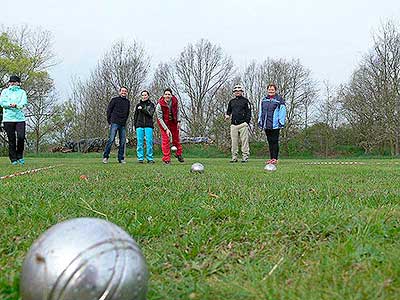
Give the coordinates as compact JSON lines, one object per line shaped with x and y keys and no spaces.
{"x":240,"y":113}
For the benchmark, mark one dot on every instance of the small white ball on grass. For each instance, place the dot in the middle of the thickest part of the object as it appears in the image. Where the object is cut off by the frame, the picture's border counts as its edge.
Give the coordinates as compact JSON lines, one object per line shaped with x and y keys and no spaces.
{"x":270,"y":168}
{"x":197,"y":168}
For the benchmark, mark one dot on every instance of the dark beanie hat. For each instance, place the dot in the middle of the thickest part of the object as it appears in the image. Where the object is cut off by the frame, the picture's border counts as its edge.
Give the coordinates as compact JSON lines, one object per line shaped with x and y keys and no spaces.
{"x":14,"y":78}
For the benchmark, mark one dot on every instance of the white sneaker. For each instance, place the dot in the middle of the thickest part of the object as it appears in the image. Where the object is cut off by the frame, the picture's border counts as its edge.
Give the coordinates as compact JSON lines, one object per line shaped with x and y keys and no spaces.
{"x":105,"y":160}
{"x":122,"y":161}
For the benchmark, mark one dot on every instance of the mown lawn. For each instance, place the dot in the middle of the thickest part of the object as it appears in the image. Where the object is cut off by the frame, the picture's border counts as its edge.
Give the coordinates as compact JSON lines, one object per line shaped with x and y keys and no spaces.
{"x":234,"y":232}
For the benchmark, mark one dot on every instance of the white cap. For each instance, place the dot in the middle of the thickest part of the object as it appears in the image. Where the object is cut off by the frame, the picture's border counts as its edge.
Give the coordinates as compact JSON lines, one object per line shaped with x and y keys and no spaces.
{"x":238,"y":87}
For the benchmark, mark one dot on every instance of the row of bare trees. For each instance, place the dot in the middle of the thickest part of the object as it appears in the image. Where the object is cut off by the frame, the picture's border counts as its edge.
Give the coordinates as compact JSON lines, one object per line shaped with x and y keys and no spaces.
{"x":371,"y":100}
{"x":123,"y":65}
{"x":202,"y":76}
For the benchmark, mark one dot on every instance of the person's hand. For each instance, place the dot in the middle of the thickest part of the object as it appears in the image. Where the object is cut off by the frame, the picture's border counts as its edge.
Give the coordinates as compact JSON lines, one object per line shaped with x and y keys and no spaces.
{"x":169,"y":133}
{"x":227,"y":117}
{"x":13,"y":105}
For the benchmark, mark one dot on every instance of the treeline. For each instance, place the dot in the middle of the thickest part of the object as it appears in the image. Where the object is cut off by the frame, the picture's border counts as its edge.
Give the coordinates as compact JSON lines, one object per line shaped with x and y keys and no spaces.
{"x":359,"y":115}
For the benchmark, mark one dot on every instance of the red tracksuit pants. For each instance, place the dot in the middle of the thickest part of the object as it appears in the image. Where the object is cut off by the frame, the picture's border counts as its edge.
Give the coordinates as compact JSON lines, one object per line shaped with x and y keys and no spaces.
{"x":165,"y":141}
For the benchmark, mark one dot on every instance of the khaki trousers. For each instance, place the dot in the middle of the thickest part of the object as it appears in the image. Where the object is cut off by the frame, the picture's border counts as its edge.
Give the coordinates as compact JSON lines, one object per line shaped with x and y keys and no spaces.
{"x":242,"y":131}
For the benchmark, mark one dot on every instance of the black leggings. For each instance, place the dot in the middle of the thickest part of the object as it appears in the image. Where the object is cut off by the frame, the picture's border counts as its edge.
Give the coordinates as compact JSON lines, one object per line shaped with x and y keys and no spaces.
{"x":273,"y":142}
{"x":16,"y":138}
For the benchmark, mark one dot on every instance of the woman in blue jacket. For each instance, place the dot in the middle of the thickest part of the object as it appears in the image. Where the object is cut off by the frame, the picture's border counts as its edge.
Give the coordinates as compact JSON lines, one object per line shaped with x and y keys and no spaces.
{"x":271,"y":118}
{"x":13,"y":99}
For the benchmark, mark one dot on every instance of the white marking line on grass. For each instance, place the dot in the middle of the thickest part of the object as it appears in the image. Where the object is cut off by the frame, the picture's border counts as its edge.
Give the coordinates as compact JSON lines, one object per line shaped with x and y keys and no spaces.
{"x":33,"y":171}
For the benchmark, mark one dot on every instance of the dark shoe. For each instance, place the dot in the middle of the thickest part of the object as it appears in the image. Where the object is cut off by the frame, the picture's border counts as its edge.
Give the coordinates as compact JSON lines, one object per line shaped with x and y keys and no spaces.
{"x":166,"y":163}
{"x":245,"y":160}
{"x":150,"y":161}
{"x":233,"y":160}
{"x":180,"y":158}
{"x":140,"y":161}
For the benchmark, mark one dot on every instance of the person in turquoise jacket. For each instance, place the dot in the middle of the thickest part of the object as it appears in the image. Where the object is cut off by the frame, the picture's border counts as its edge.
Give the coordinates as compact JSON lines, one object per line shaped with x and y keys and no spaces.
{"x":13,"y":99}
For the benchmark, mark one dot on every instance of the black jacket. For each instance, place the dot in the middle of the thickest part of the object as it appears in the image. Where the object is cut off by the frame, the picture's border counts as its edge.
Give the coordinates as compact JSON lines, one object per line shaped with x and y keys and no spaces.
{"x":144,"y":117}
{"x":239,"y":110}
{"x":118,"y":111}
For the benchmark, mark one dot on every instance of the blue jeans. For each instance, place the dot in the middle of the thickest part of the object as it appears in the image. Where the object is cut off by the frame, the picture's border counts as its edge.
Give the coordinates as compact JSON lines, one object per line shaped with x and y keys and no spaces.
{"x":122,"y":141}
{"x":140,"y":134}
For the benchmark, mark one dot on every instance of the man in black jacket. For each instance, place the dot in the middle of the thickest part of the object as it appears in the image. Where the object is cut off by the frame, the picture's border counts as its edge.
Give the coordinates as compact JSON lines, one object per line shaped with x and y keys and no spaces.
{"x":240,"y":113}
{"x":143,"y":122}
{"x":117,"y":116}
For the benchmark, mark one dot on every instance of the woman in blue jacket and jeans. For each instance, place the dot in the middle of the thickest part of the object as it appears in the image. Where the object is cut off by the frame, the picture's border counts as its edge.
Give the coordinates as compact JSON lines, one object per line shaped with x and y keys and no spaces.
{"x":271,"y":118}
{"x":13,"y":99}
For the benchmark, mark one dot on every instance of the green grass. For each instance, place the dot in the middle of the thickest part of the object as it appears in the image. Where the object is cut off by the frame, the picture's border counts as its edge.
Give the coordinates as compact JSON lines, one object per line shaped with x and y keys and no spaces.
{"x":234,"y":232}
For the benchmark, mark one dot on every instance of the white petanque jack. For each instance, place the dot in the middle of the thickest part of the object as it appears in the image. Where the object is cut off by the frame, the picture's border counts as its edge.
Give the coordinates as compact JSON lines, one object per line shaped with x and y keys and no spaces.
{"x":197,"y":168}
{"x":270,"y":168}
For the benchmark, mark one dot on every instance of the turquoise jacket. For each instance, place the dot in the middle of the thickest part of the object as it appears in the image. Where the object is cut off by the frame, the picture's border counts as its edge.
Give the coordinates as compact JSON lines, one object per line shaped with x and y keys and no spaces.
{"x":11,"y":95}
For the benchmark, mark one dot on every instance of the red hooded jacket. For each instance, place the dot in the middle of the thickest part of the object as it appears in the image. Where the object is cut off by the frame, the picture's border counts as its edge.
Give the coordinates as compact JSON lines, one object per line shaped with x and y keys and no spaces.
{"x":165,"y":110}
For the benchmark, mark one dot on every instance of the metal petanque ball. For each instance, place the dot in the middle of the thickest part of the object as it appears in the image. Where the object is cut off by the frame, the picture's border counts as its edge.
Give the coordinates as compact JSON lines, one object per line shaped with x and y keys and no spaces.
{"x":197,"y":168}
{"x":270,"y":168}
{"x":173,"y":148}
{"x":82,"y":259}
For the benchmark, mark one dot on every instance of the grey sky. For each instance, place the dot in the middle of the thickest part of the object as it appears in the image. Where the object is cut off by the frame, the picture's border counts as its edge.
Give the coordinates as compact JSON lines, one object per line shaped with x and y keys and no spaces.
{"x":329,"y":37}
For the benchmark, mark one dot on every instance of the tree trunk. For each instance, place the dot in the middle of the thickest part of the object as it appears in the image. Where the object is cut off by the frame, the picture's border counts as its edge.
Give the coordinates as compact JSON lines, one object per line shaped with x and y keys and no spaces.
{"x":37,"y":142}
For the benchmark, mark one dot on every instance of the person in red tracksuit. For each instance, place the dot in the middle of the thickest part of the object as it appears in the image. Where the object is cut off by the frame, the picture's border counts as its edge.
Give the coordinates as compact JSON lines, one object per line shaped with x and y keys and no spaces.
{"x":167,"y":112}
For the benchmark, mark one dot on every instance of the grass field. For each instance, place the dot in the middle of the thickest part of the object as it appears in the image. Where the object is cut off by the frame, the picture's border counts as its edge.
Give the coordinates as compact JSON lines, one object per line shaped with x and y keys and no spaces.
{"x":234,"y":232}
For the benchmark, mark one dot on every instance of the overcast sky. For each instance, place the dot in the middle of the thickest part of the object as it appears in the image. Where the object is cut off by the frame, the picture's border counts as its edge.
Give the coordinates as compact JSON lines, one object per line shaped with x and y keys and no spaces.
{"x":329,"y":37}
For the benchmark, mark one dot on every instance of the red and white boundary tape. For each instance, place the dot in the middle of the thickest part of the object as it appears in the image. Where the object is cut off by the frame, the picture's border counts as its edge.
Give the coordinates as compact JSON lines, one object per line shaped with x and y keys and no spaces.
{"x":335,"y":163}
{"x":349,"y":163}
{"x":26,"y":172}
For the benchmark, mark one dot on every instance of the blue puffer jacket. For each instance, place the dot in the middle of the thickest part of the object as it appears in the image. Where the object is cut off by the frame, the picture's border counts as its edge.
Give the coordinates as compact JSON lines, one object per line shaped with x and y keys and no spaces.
{"x":272,"y":113}
{"x":13,"y":95}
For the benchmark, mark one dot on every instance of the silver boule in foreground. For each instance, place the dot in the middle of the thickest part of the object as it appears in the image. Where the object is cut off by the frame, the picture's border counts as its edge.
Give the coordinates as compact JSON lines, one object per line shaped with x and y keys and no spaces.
{"x":84,"y":258}
{"x":173,"y":148}
{"x":270,"y":168}
{"x":197,"y":168}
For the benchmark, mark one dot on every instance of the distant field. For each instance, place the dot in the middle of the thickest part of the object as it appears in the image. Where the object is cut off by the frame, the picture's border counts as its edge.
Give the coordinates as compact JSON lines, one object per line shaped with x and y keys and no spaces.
{"x":234,"y":232}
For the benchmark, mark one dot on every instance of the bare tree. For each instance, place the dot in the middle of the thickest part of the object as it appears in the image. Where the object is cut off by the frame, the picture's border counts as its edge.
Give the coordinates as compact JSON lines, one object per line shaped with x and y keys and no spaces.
{"x":123,"y":65}
{"x":202,"y":69}
{"x":165,"y":77}
{"x":372,"y":98}
{"x":294,"y":83}
{"x":330,"y":107}
{"x":196,"y":77}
